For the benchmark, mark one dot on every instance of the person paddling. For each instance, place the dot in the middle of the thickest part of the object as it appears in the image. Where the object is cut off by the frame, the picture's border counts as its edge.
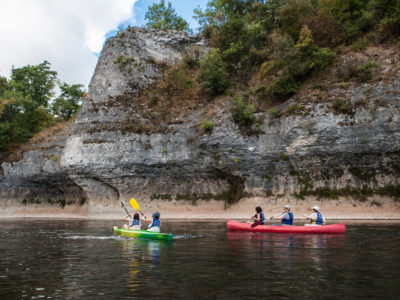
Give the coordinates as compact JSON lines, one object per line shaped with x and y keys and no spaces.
{"x":316,"y":218}
{"x":134,"y":224}
{"x":258,"y":218}
{"x":286,"y":217}
{"x":155,"y":223}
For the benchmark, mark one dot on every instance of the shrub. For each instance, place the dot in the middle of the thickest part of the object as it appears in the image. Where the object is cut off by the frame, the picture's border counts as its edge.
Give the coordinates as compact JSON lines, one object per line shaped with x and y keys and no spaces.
{"x":360,"y":44}
{"x":276,"y":113}
{"x":325,"y":31}
{"x":213,"y":76}
{"x":207,"y":125}
{"x":153,"y":101}
{"x":242,"y":114}
{"x":266,"y":69}
{"x":365,"y":72}
{"x":126,"y":63}
{"x":295,"y":109}
{"x":283,"y":88}
{"x":341,"y":106}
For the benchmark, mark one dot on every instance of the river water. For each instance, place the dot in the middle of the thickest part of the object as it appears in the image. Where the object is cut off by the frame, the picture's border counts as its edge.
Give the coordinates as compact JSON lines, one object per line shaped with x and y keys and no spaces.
{"x":80,"y":259}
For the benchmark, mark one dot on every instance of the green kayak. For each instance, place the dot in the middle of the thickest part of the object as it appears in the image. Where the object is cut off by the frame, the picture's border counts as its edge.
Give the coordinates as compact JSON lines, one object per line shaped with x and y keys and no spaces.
{"x":143,"y":234}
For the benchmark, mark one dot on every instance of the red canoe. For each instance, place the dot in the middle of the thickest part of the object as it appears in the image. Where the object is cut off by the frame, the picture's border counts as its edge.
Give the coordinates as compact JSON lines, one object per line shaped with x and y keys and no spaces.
{"x":238,"y":226}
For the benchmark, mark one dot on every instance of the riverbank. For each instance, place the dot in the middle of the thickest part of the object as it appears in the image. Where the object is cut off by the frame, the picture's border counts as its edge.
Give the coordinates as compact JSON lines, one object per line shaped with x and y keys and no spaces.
{"x":378,"y":208}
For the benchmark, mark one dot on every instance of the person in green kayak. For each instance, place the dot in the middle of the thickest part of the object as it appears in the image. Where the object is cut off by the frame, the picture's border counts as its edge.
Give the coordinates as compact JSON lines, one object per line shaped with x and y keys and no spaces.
{"x":258,"y":218}
{"x":155,"y":223}
{"x":134,"y":224}
{"x":316,"y":218}
{"x":286,"y":217}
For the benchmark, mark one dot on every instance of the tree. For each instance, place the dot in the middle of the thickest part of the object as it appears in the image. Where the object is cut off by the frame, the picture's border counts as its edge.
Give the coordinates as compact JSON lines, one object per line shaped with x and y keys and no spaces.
{"x":36,"y":82}
{"x":70,"y":100}
{"x":213,"y":76}
{"x":163,"y":17}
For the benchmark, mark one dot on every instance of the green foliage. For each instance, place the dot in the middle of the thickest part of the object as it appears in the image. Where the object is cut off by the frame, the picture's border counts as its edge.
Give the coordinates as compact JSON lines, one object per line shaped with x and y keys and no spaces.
{"x":70,"y":100}
{"x":127,"y":64}
{"x":36,"y":82}
{"x":341,"y":106}
{"x":207,"y":125}
{"x":360,"y":44}
{"x":163,"y":17}
{"x":276,"y":113}
{"x":242,"y":113}
{"x":213,"y":76}
{"x":283,"y":88}
{"x":287,"y":40}
{"x":24,"y":101}
{"x":266,"y":69}
{"x":365,"y":72}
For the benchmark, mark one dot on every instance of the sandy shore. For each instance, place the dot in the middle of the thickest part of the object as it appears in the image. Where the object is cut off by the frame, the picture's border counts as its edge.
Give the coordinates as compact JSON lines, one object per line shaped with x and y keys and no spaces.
{"x":378,"y":208}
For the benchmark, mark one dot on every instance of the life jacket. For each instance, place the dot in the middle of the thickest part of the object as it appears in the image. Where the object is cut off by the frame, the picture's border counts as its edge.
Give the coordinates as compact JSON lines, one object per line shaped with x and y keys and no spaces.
{"x":135,"y":222}
{"x":288,"y":221}
{"x":319,"y":219}
{"x":262,"y":218}
{"x":156,"y":223}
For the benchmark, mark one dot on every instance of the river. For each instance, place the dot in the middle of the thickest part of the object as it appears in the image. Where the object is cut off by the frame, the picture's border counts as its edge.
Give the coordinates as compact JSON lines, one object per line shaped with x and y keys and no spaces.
{"x":82,"y":259}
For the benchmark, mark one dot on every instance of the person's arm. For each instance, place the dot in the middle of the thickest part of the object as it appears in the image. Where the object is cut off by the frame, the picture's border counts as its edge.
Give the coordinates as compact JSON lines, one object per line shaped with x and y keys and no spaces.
{"x":127,"y":218}
{"x":279,"y":217}
{"x":146,"y":220}
{"x":323,"y":221}
{"x":307,"y":217}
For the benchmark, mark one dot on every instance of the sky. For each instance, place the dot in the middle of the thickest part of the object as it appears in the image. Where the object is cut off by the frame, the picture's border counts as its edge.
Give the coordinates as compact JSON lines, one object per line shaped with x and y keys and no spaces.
{"x":70,"y":33}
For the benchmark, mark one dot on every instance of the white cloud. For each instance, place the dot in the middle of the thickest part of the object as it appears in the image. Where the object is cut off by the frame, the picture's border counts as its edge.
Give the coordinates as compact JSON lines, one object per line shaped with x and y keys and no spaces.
{"x":67,"y":33}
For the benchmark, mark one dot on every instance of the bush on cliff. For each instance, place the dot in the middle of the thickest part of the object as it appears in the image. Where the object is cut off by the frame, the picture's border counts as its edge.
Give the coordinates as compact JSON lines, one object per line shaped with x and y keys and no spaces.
{"x":213,"y":76}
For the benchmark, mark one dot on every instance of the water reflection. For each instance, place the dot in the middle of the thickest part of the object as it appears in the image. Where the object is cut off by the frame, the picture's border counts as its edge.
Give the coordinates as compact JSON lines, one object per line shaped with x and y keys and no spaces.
{"x":282,"y":240}
{"x":141,"y":256}
{"x":286,"y":250}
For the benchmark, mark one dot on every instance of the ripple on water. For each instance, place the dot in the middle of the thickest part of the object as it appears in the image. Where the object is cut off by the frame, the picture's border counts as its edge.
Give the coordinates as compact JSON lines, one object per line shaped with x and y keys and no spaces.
{"x":91,"y":237}
{"x":186,"y":236}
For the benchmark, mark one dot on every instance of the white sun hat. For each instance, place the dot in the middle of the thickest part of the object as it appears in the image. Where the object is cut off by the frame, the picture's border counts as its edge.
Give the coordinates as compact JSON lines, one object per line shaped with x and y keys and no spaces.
{"x":316,"y":208}
{"x":287,"y":206}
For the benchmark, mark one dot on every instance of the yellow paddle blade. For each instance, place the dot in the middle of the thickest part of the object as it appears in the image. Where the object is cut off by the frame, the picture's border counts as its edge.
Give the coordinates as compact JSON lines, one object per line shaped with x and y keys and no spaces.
{"x":134,"y":204}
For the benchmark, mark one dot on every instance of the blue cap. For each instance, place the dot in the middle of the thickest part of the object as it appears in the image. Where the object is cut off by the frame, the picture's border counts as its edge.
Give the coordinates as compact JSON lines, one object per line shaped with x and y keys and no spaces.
{"x":156,"y":215}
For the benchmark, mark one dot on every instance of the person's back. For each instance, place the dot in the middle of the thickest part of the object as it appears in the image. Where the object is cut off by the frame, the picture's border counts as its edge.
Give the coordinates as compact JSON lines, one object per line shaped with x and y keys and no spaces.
{"x":135,"y":224}
{"x":155,"y":223}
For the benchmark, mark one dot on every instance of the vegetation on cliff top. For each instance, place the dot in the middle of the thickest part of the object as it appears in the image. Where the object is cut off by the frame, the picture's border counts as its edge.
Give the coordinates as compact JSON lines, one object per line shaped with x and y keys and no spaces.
{"x":287,"y":40}
{"x":28,"y":103}
{"x":265,"y":51}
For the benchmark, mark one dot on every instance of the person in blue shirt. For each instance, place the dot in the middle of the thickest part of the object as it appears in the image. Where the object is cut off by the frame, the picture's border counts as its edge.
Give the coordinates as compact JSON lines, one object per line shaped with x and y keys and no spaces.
{"x":155,"y":223}
{"x":134,"y":223}
{"x":258,"y":218}
{"x":286,"y":217}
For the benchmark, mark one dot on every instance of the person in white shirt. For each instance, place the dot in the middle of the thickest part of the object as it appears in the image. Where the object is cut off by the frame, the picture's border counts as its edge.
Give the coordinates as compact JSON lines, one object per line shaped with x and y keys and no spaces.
{"x":134,"y":224}
{"x":316,"y":218}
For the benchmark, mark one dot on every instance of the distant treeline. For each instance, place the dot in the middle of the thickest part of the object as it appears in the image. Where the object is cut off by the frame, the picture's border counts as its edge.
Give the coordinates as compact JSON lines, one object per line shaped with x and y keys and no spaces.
{"x":28,"y":102}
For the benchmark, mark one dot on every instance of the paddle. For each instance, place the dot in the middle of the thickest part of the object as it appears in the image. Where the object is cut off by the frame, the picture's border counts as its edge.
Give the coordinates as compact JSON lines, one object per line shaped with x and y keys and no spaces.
{"x":270,"y":218}
{"x":123,"y":205}
{"x":260,"y":222}
{"x":135,"y":205}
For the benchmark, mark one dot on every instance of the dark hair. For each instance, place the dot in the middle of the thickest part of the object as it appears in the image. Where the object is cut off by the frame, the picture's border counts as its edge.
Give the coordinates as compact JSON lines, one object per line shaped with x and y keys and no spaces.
{"x":136,"y":216}
{"x":258,"y":209}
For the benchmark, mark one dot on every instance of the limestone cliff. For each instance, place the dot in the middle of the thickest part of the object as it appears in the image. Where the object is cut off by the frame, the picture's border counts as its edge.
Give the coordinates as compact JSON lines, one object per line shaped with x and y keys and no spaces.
{"x":101,"y":162}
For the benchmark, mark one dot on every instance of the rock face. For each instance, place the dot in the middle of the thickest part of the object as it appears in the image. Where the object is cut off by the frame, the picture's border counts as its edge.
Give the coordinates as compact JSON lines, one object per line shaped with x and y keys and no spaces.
{"x":101,"y":164}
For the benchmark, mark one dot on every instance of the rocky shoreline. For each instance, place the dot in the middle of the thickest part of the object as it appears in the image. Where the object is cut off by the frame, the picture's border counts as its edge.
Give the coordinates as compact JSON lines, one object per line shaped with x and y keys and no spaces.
{"x":378,"y":208}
